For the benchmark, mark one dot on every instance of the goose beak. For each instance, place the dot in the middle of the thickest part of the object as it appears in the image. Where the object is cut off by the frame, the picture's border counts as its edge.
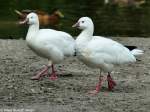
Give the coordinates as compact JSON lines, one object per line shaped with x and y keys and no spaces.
{"x":76,"y":25}
{"x":24,"y":22}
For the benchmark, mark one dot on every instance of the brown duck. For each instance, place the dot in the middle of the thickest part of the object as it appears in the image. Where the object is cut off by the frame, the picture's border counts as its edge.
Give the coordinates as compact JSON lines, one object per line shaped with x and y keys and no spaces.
{"x":45,"y":19}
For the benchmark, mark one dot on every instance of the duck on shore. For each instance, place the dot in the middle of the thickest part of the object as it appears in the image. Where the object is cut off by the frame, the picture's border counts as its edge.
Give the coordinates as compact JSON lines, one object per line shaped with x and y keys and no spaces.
{"x":102,"y":53}
{"x":48,"y":43}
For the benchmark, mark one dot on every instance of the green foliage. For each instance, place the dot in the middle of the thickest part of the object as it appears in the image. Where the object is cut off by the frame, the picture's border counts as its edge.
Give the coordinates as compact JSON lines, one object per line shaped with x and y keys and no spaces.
{"x":109,"y":20}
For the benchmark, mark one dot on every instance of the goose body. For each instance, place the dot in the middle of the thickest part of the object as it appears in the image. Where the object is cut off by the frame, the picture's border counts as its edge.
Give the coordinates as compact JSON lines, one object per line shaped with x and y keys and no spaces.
{"x":47,"y":43}
{"x":104,"y":53}
{"x":51,"y":44}
{"x":99,"y":52}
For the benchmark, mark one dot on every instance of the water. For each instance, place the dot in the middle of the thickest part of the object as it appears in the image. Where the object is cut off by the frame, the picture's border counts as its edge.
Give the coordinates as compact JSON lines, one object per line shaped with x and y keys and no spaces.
{"x":109,"y":20}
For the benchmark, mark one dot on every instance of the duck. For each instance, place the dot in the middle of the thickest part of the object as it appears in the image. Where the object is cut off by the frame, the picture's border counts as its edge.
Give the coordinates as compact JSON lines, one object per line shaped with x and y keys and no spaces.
{"x":45,"y":19}
{"x":101,"y":53}
{"x":48,"y":43}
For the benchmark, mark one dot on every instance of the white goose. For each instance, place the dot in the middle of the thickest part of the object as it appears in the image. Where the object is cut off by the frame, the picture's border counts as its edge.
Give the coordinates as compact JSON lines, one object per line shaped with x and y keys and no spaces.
{"x":100,"y":52}
{"x":48,"y":43}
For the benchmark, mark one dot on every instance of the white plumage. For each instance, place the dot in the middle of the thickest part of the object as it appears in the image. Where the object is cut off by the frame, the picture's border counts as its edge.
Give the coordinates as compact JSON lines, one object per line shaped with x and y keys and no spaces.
{"x":100,"y":52}
{"x":47,"y":43}
{"x":51,"y":44}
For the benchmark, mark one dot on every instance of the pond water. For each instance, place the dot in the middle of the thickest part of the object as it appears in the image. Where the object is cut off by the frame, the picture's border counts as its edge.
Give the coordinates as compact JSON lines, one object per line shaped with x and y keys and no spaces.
{"x":109,"y":20}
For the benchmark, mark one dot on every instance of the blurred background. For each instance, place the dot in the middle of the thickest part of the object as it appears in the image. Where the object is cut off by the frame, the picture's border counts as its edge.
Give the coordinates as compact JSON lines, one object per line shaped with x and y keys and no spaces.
{"x":111,"y":17}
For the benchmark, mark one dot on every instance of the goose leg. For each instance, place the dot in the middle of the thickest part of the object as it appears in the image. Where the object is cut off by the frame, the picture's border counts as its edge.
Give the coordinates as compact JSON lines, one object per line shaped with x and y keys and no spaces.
{"x":111,"y":82}
{"x":53,"y":74}
{"x":98,"y":86}
{"x":40,"y":74}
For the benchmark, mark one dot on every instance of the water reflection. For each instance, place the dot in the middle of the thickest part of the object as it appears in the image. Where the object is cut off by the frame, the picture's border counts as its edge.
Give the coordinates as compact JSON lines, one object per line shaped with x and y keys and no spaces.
{"x":110,"y":20}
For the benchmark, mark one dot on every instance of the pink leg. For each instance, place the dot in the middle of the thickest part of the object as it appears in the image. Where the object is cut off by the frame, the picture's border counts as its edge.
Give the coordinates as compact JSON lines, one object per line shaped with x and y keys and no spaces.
{"x":111,"y":82}
{"x":53,"y":74}
{"x":41,"y":73}
{"x":98,"y":86}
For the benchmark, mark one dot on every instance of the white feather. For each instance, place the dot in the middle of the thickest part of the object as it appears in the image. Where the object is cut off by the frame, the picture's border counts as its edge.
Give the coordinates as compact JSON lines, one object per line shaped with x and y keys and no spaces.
{"x":51,"y":44}
{"x":137,"y":52}
{"x":100,"y":52}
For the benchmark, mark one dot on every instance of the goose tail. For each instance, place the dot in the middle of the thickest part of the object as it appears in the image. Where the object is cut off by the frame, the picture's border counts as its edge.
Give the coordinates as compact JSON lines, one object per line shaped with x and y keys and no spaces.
{"x":137,"y":52}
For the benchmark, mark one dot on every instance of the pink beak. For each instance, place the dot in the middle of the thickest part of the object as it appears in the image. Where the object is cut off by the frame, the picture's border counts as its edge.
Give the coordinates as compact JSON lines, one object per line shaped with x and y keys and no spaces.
{"x":76,"y":25}
{"x":24,"y":22}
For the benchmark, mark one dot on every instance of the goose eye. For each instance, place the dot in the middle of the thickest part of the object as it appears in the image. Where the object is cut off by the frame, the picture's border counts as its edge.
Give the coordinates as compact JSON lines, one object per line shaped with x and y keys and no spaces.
{"x":82,"y":21}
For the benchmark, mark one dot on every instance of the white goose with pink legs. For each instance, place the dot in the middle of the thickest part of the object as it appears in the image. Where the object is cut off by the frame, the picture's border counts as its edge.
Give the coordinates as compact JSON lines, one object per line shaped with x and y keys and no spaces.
{"x":102,"y":53}
{"x":47,"y":43}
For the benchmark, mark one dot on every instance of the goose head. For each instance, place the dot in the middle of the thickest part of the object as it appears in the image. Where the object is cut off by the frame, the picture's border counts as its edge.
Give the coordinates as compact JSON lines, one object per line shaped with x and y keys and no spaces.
{"x":84,"y":23}
{"x":31,"y":19}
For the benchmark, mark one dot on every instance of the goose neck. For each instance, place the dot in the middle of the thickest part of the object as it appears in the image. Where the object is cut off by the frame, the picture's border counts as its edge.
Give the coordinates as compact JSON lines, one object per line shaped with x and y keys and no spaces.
{"x":87,"y":32}
{"x":32,"y":31}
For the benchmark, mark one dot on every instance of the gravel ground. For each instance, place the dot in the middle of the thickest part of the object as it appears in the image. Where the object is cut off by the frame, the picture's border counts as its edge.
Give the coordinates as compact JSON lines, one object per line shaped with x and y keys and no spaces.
{"x":69,"y":93}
